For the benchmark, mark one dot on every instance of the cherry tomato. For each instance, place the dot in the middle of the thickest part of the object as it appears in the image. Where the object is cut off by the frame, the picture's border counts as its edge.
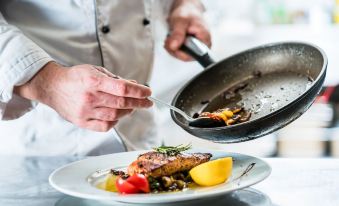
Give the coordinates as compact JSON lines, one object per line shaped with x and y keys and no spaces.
{"x":140,"y":182}
{"x":125,"y":187}
{"x":134,"y":184}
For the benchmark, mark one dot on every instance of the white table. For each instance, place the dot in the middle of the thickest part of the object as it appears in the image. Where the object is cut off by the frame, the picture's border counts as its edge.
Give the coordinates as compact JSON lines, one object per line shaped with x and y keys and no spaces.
{"x":302,"y":182}
{"x":24,"y":181}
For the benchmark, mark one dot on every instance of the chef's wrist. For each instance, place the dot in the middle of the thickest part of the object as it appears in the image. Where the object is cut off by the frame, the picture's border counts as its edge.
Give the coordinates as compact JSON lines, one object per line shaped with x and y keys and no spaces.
{"x":42,"y":84}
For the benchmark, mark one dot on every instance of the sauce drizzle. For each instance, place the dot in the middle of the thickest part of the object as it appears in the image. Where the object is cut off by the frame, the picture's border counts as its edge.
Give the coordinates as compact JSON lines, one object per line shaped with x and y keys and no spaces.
{"x":246,"y":171}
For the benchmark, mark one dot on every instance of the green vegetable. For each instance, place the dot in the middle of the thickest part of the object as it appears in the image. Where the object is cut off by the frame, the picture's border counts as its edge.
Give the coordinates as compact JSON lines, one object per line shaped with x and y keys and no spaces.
{"x":173,"y":150}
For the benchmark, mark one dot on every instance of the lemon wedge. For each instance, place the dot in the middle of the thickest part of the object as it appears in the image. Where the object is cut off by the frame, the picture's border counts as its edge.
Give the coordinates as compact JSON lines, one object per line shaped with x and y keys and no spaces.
{"x":213,"y":172}
{"x":110,"y":183}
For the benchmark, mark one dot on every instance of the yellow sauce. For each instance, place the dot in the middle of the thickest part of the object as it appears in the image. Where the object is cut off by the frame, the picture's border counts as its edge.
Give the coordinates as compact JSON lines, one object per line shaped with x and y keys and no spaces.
{"x":192,"y":185}
{"x":108,"y":184}
{"x":101,"y":185}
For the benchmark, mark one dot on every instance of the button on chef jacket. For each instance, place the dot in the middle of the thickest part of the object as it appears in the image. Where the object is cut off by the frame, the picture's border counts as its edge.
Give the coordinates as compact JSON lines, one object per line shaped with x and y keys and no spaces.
{"x":116,"y":34}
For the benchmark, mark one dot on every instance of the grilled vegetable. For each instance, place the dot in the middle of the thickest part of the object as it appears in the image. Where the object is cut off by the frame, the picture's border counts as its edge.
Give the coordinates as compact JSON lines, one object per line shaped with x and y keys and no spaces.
{"x":166,"y":181}
{"x":181,"y":184}
{"x":175,"y":182}
{"x":228,"y":116}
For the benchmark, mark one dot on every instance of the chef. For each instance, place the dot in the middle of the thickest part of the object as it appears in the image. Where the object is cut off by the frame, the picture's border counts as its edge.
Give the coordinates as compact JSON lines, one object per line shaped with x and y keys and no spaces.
{"x":72,"y":72}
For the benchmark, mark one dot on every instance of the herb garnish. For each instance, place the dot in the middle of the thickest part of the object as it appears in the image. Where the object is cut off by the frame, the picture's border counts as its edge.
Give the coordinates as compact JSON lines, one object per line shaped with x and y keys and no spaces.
{"x":172,"y":150}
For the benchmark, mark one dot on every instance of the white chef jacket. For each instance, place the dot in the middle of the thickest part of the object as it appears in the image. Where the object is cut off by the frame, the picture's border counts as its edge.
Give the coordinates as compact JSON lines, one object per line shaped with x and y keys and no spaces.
{"x":117,"y":34}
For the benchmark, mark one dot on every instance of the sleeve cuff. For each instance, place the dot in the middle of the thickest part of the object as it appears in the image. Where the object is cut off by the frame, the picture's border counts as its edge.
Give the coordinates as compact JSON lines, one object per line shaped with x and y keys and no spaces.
{"x":11,"y":105}
{"x":20,"y":60}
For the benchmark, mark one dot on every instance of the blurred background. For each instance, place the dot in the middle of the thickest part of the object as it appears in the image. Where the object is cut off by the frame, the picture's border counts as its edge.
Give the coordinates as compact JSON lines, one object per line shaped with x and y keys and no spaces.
{"x":240,"y":25}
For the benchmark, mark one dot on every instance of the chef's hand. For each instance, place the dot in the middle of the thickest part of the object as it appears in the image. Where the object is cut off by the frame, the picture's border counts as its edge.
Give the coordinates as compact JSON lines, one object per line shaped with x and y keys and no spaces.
{"x":186,"y":18}
{"x":88,"y":96}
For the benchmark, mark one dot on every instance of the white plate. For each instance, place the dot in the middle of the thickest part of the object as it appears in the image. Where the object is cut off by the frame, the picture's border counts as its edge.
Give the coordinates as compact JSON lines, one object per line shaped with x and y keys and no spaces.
{"x":79,"y":179}
{"x":243,"y":197}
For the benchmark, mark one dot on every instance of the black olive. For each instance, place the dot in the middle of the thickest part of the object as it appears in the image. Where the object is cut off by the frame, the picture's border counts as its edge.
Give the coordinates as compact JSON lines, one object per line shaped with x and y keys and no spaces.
{"x":195,"y":115}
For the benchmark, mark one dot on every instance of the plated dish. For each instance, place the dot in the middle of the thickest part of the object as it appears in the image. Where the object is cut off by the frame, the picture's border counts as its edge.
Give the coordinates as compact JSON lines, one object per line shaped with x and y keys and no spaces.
{"x":168,"y":169}
{"x":82,"y":178}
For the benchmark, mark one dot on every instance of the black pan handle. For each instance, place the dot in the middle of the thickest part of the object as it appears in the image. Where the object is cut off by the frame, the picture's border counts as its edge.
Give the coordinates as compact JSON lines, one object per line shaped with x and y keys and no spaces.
{"x":198,"y":50}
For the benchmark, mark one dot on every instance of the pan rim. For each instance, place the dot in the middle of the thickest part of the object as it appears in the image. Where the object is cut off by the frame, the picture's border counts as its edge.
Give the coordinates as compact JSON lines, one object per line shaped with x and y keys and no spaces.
{"x":273,"y":44}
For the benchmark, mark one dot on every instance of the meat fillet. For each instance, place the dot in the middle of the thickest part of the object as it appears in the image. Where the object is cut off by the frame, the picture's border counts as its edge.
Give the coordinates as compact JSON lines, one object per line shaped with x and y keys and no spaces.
{"x":157,"y":164}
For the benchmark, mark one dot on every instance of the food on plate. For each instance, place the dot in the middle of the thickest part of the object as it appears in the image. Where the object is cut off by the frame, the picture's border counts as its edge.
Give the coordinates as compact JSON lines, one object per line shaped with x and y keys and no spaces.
{"x":213,"y":172}
{"x":228,"y":116}
{"x":168,"y":168}
{"x":110,"y":183}
{"x":132,"y":184}
{"x":156,"y":164}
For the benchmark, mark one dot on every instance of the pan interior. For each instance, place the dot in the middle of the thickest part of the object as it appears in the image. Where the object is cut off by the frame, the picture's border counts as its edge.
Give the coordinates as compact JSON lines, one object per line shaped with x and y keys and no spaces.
{"x":261,"y":94}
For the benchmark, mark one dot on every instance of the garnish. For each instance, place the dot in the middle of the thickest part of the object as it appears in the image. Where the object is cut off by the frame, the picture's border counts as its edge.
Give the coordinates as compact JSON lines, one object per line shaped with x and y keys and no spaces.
{"x":172,"y":150}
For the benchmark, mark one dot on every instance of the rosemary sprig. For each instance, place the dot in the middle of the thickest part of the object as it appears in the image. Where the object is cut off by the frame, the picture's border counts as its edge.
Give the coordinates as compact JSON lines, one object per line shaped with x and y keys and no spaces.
{"x":172,"y":150}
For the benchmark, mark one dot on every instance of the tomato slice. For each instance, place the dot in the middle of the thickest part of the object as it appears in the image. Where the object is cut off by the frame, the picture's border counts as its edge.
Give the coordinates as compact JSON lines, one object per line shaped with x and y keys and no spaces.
{"x":140,"y":182}
{"x":125,"y":187}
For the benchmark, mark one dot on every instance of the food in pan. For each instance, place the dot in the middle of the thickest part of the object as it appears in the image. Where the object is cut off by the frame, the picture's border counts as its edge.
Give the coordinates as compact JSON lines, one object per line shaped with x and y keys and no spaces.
{"x":228,"y":116}
{"x":167,"y":169}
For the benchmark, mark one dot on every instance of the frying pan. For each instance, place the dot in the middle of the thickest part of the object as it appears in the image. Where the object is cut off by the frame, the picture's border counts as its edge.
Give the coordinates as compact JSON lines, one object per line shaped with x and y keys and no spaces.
{"x":276,"y":82}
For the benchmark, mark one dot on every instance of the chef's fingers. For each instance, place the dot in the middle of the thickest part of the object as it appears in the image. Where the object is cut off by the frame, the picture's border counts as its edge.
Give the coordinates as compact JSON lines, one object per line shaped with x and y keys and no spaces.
{"x":105,"y":71}
{"x":132,"y":80}
{"x":178,"y":30}
{"x":108,"y":73}
{"x":108,"y":114}
{"x":123,"y":88}
{"x":182,"y":56}
{"x":201,"y":32}
{"x":99,"y":125}
{"x":177,"y":53}
{"x":107,"y":100}
{"x":198,"y":30}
